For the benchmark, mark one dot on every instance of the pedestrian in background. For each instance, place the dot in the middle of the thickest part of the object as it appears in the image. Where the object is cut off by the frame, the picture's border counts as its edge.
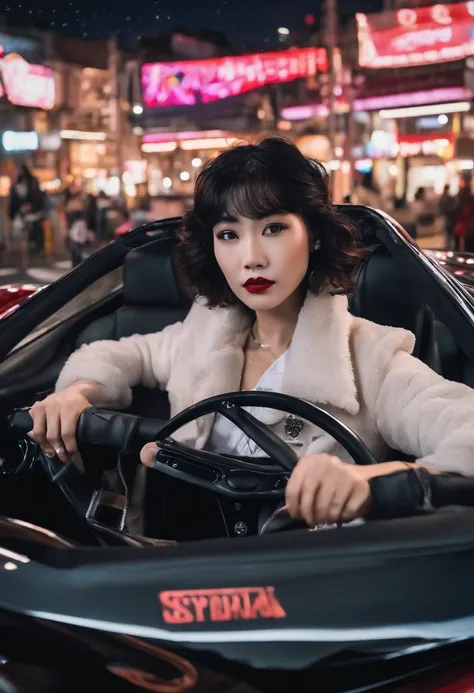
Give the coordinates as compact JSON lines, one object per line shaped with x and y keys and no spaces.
{"x":80,"y":237}
{"x":464,"y":227}
{"x":27,"y":213}
{"x":449,"y":209}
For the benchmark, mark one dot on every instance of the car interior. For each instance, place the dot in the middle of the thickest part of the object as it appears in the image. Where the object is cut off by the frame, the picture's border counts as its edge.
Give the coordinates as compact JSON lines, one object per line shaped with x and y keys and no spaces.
{"x":389,"y":291}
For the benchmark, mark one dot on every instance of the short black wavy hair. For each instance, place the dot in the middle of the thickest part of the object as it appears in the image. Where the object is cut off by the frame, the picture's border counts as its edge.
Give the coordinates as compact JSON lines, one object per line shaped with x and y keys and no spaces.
{"x":256,"y":181}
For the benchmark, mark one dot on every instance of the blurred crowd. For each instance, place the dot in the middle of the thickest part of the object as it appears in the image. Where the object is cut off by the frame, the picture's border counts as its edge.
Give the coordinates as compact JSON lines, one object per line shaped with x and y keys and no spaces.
{"x":80,"y":222}
{"x":428,"y":214}
{"x":75,"y":220}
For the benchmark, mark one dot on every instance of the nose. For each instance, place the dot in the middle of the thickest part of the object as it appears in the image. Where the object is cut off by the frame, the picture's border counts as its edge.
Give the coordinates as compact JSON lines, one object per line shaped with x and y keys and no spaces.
{"x":254,"y":256}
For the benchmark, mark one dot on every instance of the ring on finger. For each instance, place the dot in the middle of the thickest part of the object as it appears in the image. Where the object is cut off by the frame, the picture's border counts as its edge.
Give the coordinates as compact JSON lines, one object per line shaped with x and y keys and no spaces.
{"x":60,"y":451}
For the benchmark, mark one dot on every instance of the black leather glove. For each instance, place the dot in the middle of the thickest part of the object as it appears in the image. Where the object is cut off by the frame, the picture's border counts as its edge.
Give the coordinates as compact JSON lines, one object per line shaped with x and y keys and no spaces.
{"x":401,"y":494}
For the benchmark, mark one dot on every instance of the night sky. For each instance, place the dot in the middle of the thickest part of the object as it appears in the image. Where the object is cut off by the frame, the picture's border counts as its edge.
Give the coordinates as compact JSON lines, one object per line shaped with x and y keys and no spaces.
{"x":246,"y":22}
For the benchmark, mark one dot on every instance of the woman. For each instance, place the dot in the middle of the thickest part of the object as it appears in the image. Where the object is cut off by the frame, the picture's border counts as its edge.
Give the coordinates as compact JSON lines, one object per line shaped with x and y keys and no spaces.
{"x":272,"y":262}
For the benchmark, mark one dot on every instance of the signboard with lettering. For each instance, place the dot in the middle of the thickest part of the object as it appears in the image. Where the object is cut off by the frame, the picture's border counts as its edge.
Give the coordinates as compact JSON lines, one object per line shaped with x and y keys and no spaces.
{"x":24,"y":84}
{"x":437,"y":145}
{"x":192,"y":82}
{"x":416,"y":36}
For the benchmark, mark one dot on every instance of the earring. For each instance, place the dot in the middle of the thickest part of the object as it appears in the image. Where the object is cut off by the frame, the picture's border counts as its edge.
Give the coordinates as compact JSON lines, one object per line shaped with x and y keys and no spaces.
{"x":317,"y":245}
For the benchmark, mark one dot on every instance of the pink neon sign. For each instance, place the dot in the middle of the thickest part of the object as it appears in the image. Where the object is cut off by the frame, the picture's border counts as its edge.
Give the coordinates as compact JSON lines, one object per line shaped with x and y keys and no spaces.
{"x":414,"y":98}
{"x":154,"y":137}
{"x":191,"y":82}
{"x":416,"y":36}
{"x":27,"y":85}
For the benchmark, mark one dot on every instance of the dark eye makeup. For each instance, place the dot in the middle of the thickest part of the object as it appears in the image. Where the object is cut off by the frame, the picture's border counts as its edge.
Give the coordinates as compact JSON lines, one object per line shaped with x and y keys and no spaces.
{"x":274,"y":228}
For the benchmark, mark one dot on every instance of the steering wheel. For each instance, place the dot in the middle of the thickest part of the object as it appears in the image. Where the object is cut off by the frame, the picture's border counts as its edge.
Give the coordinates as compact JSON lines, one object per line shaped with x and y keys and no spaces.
{"x":398,"y":495}
{"x":262,"y":478}
{"x":238,"y":478}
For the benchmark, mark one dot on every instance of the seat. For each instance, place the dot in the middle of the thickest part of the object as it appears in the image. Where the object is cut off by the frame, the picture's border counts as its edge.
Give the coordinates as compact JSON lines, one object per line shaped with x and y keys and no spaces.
{"x":387,"y":294}
{"x":152,"y":299}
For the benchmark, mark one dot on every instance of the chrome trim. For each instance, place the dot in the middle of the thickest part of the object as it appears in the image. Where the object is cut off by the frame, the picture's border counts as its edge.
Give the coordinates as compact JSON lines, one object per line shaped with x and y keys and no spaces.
{"x":104,"y":498}
{"x":274,"y":514}
{"x":29,"y":450}
{"x":126,"y":504}
{"x":93,"y":505}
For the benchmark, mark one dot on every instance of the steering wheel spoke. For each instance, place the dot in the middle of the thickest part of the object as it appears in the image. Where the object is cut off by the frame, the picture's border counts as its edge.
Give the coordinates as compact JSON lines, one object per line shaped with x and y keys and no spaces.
{"x":264,"y":437}
{"x":236,"y":477}
{"x":230,"y":476}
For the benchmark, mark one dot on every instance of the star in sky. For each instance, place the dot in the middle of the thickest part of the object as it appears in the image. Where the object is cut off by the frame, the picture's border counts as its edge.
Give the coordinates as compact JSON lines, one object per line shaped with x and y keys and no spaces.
{"x":247,"y":23}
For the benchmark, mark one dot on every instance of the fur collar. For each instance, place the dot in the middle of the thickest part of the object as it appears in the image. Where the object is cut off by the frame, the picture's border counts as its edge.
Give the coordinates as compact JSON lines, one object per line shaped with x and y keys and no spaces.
{"x":319,"y":368}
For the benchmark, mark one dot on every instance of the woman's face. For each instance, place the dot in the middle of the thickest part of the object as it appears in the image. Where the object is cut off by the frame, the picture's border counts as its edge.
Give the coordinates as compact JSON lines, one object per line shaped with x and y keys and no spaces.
{"x":264,"y":261}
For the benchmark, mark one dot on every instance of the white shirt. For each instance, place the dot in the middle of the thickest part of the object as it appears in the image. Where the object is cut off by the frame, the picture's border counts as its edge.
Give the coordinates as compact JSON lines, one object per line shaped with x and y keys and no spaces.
{"x":226,"y":438}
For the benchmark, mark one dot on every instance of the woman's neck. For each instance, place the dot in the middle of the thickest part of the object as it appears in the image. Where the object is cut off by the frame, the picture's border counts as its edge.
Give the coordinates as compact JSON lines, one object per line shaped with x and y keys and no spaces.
{"x":275,"y":327}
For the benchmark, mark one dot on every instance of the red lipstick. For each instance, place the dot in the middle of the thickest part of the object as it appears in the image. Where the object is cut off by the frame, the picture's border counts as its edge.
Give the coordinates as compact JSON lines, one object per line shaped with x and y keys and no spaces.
{"x":257,"y":285}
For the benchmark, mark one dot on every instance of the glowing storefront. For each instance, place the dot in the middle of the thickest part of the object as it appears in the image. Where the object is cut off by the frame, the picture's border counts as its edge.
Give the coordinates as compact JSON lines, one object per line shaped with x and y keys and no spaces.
{"x":426,"y":102}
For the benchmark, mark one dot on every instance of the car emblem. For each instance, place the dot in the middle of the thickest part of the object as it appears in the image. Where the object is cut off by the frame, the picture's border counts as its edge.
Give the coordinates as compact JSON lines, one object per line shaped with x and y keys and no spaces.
{"x":218,"y":605}
{"x":293,"y":427}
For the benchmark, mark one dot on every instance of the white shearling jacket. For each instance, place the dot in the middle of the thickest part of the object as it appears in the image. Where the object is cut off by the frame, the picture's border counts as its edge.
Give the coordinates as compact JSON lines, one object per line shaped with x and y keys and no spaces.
{"x":361,"y":372}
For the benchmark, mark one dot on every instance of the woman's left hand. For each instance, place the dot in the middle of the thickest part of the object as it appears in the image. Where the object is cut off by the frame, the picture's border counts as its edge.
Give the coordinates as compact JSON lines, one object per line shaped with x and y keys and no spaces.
{"x":322,"y":489}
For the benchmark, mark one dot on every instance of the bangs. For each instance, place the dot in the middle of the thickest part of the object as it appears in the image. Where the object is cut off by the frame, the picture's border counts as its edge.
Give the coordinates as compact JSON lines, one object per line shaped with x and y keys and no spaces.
{"x":254,"y":198}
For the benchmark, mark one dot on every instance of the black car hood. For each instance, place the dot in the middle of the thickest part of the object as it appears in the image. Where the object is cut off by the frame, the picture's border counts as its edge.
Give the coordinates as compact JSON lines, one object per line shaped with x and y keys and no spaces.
{"x":383,"y":587}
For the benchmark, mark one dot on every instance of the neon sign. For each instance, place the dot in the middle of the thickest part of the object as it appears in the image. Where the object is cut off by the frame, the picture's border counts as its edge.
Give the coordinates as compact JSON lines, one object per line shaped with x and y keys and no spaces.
{"x":20,"y":141}
{"x":420,"y":36}
{"x":192,"y":82}
{"x":25,"y":84}
{"x":416,"y":145}
{"x":412,"y":98}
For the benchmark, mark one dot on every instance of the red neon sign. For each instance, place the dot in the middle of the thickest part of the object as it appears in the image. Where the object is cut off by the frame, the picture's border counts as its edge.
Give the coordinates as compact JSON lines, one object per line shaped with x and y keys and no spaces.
{"x":436,"y":145}
{"x":27,"y":85}
{"x":420,"y":36}
{"x":191,"y":82}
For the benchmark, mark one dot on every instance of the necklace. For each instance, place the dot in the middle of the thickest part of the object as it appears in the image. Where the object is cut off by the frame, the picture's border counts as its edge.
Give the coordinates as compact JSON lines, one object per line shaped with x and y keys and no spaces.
{"x":265,"y":346}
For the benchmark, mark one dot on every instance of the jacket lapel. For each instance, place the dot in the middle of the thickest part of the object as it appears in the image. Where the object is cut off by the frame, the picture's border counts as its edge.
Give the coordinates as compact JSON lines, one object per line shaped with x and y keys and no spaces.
{"x":319,"y":368}
{"x":214,"y":366}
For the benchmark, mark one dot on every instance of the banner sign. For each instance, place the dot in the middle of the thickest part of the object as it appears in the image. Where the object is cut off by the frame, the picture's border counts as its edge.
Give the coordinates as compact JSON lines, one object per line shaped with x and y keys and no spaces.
{"x":416,"y":36}
{"x":192,"y":82}
{"x":25,"y":84}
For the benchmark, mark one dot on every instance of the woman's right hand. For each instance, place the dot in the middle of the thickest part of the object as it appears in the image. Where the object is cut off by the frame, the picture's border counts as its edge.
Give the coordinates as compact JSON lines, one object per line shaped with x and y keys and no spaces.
{"x":55,"y":421}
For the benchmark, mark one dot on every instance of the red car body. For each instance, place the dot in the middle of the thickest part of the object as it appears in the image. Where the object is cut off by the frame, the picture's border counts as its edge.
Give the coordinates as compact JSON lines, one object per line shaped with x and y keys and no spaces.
{"x":12,"y":295}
